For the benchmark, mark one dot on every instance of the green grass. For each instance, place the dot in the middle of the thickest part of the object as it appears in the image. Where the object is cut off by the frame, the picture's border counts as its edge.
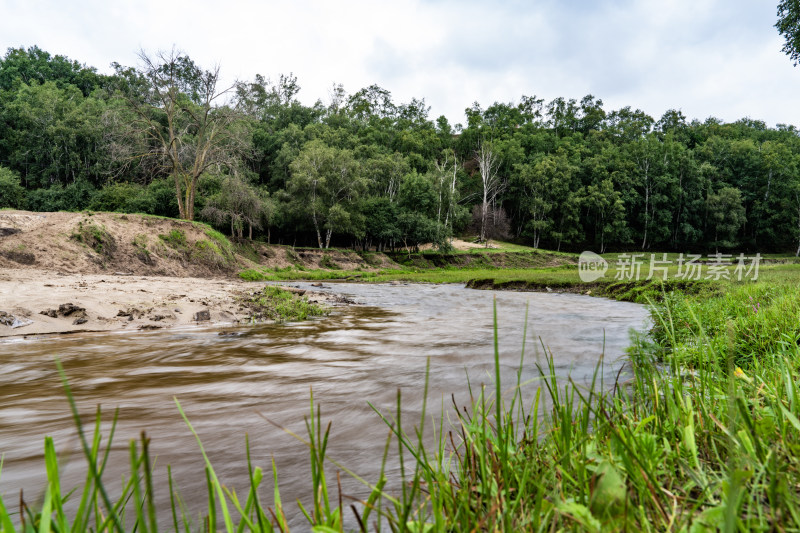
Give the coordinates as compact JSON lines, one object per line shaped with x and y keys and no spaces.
{"x":280,"y":305}
{"x":96,"y":237}
{"x":559,"y":277}
{"x":215,"y":252}
{"x":176,"y":239}
{"x":296,"y":272}
{"x":220,"y":242}
{"x":742,"y":323}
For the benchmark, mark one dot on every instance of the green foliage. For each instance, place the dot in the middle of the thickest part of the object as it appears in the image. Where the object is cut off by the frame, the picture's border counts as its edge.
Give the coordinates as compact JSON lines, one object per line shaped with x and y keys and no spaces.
{"x":789,"y":27}
{"x":122,"y":198}
{"x":76,"y":196}
{"x":726,"y":215}
{"x":280,"y":305}
{"x":36,"y":66}
{"x":95,"y":237}
{"x":372,"y":173}
{"x":746,"y":324}
{"x":12,"y":194}
{"x":325,"y":183}
{"x":56,"y":134}
{"x":236,"y":204}
{"x":176,"y":238}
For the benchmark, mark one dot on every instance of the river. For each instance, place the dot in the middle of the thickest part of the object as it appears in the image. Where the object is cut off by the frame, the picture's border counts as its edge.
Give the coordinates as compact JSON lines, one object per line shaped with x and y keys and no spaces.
{"x":229,"y":384}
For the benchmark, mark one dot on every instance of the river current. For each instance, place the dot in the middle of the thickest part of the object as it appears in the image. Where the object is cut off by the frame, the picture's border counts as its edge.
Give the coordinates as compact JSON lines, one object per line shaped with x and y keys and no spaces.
{"x":232,"y":380}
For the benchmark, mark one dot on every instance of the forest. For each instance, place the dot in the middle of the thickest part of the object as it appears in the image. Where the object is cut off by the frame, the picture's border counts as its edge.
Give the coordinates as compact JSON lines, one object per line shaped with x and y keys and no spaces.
{"x":360,"y":170}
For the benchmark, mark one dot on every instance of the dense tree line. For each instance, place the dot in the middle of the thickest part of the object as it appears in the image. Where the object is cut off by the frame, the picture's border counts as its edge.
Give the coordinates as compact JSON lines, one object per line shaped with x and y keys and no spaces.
{"x":165,"y":138}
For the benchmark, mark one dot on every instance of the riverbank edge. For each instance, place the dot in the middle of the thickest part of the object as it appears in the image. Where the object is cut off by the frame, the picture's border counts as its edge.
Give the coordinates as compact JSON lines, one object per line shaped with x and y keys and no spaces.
{"x":42,"y":303}
{"x":637,"y":291}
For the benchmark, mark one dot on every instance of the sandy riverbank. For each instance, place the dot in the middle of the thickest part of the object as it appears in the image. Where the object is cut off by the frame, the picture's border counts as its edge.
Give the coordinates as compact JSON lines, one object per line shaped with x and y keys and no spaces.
{"x":54,"y":302}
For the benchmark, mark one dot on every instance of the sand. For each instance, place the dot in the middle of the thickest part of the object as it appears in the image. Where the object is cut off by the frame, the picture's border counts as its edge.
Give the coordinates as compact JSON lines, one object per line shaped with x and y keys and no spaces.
{"x":118,"y":302}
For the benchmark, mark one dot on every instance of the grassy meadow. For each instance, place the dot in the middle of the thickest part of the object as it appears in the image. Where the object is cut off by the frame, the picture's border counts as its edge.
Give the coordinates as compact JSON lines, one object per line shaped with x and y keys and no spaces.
{"x":701,"y":434}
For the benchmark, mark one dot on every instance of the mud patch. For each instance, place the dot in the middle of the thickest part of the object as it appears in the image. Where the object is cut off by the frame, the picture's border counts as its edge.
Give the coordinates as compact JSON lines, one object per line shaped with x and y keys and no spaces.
{"x":19,"y":256}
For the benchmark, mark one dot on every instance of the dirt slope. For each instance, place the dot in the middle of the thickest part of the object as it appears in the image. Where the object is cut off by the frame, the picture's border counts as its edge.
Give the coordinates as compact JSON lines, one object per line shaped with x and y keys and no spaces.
{"x":113,"y":243}
{"x":109,"y":242}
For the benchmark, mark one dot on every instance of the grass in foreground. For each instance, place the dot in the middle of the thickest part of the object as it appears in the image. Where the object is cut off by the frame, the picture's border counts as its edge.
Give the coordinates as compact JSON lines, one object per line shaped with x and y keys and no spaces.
{"x":702,"y":443}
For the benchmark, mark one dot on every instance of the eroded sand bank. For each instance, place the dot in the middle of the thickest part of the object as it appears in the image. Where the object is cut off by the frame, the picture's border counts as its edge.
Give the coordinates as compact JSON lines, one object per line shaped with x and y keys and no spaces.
{"x":101,"y":302}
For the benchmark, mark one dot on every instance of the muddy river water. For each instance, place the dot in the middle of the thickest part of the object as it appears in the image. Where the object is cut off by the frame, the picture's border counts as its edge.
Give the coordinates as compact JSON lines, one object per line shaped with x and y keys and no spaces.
{"x":229,"y":384}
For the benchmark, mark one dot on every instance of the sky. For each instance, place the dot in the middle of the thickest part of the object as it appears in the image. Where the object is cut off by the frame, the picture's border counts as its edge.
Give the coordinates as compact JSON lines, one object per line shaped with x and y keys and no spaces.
{"x":707,"y":58}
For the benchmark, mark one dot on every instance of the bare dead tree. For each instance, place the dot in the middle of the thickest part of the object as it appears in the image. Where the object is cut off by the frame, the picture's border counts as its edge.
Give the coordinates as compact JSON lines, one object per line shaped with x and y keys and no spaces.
{"x":181,"y":121}
{"x":492,"y":185}
{"x":447,"y":168}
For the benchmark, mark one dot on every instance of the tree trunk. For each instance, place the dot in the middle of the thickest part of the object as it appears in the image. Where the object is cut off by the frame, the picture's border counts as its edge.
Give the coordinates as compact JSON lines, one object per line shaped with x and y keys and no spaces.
{"x":316,"y":225}
{"x":190,"y":201}
{"x":602,"y":237}
{"x":646,"y":216}
{"x":179,"y":196}
{"x":484,"y":211}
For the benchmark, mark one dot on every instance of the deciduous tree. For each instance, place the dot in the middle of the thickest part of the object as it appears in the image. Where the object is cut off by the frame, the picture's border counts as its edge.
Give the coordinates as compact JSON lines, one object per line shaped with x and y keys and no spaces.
{"x":325,"y":183}
{"x":789,"y":27}
{"x":238,"y":204}
{"x":184,"y":122}
{"x":492,"y":184}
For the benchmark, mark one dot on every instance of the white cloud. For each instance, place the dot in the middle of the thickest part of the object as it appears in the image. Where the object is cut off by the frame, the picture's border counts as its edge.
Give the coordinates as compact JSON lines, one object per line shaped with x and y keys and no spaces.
{"x":706,"y":57}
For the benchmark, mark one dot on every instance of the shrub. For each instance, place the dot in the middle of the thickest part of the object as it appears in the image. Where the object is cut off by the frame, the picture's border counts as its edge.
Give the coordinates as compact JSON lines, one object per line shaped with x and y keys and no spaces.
{"x":328,"y":262}
{"x":176,"y":239}
{"x":123,"y":198}
{"x":74,"y":197}
{"x":162,"y":195}
{"x":95,"y":237}
{"x":12,"y":194}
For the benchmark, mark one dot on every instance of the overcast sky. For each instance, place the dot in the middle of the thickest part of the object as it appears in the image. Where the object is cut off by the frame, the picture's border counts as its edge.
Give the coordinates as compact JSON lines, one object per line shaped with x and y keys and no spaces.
{"x":716,"y":58}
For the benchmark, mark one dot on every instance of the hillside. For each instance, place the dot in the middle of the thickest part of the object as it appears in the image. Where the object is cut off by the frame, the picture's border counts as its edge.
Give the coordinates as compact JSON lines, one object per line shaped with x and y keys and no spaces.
{"x":108,"y":243}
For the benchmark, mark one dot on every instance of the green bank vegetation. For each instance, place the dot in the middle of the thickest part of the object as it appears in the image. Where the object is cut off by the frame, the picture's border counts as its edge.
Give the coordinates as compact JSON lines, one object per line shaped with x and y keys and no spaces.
{"x":482,"y":274}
